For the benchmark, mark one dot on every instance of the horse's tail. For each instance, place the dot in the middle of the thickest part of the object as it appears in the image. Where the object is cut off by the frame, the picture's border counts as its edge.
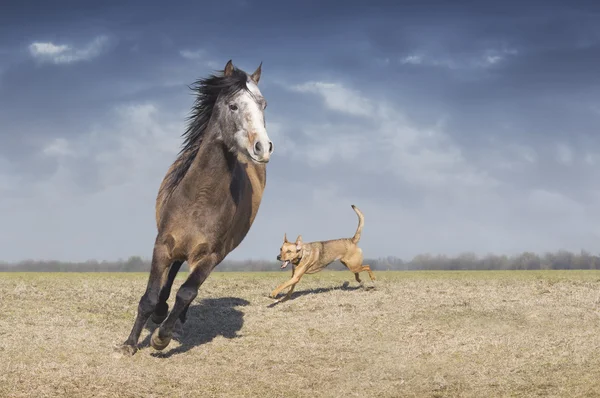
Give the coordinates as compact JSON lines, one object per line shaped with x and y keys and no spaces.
{"x":361,"y":222}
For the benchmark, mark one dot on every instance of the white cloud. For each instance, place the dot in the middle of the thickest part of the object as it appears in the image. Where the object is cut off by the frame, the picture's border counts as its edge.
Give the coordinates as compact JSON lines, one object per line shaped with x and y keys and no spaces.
{"x":199,"y":56}
{"x":67,"y":54}
{"x":485,"y":59}
{"x":137,"y":142}
{"x":58,"y":147}
{"x":412,"y":59}
{"x":494,"y":56}
{"x":554,"y":204}
{"x":47,"y":49}
{"x":188,"y":54}
{"x":338,"y":97}
{"x":125,"y":157}
{"x":564,"y":154}
{"x":423,"y":156}
{"x":507,"y":155}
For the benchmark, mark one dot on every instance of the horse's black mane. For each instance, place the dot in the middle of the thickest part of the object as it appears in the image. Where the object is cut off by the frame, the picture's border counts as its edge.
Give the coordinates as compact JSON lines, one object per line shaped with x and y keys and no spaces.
{"x":207,"y":91}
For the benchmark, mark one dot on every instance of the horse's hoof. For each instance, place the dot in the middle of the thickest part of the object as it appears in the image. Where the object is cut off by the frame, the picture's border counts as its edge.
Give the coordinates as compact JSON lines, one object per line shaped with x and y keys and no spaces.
{"x":158,"y":319}
{"x":126,"y":349}
{"x":158,"y":343}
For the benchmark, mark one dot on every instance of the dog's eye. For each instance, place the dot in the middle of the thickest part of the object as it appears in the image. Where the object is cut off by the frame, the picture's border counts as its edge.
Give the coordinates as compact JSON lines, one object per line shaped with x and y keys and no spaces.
{"x":233,"y":107}
{"x":289,"y":251}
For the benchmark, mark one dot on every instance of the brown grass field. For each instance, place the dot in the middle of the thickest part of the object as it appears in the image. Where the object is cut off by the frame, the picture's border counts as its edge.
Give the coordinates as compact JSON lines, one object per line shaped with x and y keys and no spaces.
{"x":418,"y":334}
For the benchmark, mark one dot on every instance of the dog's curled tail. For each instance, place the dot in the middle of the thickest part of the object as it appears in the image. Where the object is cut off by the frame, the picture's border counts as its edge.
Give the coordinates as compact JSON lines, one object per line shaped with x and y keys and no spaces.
{"x":361,"y":222}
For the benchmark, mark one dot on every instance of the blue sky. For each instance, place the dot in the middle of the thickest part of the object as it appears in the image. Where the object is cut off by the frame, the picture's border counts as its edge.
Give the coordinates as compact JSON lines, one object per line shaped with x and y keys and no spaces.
{"x":470,"y":126}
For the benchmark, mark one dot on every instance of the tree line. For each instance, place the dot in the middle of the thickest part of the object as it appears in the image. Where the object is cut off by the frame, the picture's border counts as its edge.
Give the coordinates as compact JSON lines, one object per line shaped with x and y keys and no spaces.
{"x":559,"y":260}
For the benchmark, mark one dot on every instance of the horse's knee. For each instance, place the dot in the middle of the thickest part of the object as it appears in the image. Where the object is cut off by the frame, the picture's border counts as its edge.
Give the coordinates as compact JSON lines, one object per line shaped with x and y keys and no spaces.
{"x":160,"y":312}
{"x":147,"y":304}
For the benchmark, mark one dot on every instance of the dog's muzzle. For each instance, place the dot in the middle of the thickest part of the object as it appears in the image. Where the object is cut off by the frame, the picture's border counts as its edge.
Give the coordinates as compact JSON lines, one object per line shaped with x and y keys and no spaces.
{"x":285,"y":263}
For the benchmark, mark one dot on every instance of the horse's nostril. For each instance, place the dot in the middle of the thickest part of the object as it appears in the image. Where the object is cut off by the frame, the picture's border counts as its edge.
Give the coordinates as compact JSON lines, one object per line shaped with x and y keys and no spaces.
{"x":258,"y":148}
{"x":270,"y":147}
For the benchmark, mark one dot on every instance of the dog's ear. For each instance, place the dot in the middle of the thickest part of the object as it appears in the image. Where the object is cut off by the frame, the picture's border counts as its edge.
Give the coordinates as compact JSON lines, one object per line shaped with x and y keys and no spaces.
{"x":299,"y":242}
{"x":285,"y":237}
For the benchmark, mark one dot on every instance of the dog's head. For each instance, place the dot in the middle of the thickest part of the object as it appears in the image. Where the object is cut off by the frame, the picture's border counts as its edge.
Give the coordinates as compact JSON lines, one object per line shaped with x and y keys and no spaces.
{"x":290,"y":252}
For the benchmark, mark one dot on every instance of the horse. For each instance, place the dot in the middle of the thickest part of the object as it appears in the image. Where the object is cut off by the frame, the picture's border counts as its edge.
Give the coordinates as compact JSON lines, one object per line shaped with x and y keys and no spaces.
{"x":208,"y":198}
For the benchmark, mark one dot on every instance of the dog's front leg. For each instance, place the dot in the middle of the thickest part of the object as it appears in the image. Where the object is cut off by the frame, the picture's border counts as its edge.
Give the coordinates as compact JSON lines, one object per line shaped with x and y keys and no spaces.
{"x":292,"y":282}
{"x":288,"y":294}
{"x":275,"y":292}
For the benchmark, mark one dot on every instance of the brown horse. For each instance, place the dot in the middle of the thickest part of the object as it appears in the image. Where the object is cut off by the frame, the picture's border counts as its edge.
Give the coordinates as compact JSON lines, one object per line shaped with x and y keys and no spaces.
{"x":209,"y":197}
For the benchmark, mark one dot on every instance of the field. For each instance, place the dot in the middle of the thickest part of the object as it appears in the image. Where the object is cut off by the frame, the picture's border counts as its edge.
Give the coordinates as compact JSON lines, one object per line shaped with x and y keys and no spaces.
{"x":417,"y":334}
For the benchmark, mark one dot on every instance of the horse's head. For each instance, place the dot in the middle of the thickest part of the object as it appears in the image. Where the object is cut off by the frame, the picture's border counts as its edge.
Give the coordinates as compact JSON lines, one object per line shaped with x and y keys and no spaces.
{"x":241,"y":117}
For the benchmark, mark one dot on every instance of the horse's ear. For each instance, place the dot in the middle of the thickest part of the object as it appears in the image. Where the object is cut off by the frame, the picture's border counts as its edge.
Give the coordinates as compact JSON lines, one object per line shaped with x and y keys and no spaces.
{"x":256,"y":75}
{"x":228,"y":68}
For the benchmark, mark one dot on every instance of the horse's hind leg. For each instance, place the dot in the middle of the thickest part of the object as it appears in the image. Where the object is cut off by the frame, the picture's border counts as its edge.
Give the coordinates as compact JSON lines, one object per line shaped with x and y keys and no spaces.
{"x":185,"y":295}
{"x":162,"y":308}
{"x":147,"y":304}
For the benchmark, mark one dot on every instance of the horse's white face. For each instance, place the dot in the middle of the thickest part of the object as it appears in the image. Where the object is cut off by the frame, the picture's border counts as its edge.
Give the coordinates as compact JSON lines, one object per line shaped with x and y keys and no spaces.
{"x":247,"y":108}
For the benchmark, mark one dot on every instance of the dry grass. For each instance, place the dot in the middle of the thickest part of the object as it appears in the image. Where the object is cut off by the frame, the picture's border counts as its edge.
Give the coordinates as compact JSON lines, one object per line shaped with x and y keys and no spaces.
{"x":425,"y":334}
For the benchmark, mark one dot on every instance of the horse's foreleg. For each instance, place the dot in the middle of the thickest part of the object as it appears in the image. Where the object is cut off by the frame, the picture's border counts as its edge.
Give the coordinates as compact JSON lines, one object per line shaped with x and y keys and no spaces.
{"x":199,"y":271}
{"x":147,"y":304}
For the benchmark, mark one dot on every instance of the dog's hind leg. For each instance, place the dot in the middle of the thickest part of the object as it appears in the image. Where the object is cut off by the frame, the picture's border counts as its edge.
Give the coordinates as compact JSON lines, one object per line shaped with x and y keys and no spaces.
{"x":357,"y":277}
{"x":351,"y":265}
{"x":368,"y":269}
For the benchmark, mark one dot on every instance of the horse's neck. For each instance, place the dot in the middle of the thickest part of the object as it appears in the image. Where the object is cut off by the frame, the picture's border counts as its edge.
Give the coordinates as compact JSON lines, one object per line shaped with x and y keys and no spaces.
{"x":214,"y":162}
{"x":211,"y":164}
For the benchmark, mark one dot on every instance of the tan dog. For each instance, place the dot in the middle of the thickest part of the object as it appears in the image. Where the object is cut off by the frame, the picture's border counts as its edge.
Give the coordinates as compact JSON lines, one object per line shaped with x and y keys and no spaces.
{"x":309,"y":258}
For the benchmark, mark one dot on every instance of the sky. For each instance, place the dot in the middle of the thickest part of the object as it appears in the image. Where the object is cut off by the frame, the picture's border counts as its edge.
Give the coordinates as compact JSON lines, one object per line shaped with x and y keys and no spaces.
{"x":454,"y":126}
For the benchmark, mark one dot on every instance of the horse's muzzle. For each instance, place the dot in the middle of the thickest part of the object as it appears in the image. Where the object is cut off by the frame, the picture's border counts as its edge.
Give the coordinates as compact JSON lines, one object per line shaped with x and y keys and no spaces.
{"x":262,"y":153}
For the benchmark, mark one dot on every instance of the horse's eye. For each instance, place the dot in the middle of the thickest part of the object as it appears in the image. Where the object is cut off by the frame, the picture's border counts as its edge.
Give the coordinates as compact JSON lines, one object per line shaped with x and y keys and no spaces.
{"x":233,"y":107}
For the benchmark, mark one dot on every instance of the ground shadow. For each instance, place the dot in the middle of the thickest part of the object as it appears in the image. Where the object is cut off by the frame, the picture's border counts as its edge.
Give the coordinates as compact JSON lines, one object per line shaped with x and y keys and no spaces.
{"x":296,"y":294}
{"x":205,"y":321}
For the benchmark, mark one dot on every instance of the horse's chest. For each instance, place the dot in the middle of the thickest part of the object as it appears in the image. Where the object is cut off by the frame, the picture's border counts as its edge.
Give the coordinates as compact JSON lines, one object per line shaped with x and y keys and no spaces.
{"x":247,"y":204}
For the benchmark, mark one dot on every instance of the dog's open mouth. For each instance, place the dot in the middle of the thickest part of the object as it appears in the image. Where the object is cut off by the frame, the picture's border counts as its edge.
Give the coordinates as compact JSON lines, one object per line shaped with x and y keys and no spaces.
{"x":285,"y":264}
